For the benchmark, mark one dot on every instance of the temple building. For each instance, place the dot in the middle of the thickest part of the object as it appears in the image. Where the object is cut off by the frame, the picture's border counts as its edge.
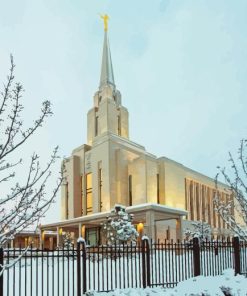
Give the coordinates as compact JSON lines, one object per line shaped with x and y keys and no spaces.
{"x":111,"y":169}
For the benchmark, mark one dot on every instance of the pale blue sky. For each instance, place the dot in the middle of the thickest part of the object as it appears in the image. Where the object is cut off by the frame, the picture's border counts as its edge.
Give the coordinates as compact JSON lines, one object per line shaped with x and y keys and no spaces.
{"x":181,"y":67}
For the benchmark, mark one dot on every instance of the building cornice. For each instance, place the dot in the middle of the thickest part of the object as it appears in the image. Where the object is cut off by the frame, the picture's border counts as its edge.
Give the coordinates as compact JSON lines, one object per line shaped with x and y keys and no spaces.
{"x":99,"y":217}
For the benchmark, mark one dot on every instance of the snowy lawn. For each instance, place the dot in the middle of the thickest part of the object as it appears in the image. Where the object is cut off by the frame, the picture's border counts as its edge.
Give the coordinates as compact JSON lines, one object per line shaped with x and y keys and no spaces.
{"x":55,"y":273}
{"x":225,"y":284}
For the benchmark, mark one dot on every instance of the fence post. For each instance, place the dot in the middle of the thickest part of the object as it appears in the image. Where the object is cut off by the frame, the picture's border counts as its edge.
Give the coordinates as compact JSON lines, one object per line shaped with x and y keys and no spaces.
{"x":196,"y":256}
{"x":144,"y":283}
{"x":81,"y":242}
{"x":1,"y":268}
{"x":78,"y":258}
{"x":84,"y":257}
{"x":148,"y":262}
{"x":145,"y":263}
{"x":236,"y":248}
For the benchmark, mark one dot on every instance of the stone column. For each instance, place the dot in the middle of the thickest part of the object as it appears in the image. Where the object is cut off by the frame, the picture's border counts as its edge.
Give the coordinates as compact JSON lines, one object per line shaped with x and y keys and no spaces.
{"x":149,"y":229}
{"x":41,"y":238}
{"x":79,"y":230}
{"x":58,"y":236}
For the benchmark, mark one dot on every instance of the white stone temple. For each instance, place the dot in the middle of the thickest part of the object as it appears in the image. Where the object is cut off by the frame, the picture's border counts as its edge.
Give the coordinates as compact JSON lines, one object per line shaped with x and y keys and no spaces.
{"x":111,"y":169}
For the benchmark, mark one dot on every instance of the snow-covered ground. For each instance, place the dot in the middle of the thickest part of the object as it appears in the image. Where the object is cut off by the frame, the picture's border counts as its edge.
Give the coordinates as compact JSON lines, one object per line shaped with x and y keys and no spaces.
{"x":54,"y":275}
{"x":196,"y":286}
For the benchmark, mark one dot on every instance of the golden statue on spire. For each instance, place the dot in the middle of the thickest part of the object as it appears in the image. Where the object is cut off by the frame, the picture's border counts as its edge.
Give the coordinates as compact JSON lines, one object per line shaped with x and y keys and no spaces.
{"x":105,"y":18}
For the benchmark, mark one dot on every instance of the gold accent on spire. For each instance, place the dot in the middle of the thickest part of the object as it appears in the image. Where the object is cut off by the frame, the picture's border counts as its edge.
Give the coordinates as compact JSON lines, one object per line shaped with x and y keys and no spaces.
{"x":105,"y":18}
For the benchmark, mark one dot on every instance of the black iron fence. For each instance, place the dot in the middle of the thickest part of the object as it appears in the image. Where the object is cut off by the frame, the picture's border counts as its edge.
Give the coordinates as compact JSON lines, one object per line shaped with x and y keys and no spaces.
{"x":72,"y":272}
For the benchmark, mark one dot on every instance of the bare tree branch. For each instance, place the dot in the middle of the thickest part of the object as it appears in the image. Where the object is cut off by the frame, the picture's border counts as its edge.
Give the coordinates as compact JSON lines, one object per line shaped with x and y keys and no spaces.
{"x":237,"y":184}
{"x":26,"y":203}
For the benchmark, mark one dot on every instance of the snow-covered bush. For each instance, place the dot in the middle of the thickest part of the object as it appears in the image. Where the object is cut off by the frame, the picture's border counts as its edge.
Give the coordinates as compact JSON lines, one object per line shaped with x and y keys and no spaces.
{"x":199,"y":229}
{"x":118,"y":227}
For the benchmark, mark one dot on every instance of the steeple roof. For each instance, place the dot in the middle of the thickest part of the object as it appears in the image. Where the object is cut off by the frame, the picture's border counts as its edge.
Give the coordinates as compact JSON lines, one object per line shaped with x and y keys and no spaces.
{"x":106,"y":77}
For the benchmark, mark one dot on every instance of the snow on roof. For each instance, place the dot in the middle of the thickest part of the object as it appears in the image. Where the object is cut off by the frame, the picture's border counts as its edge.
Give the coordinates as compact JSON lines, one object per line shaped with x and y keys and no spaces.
{"x":157,"y":207}
{"x":131,"y":209}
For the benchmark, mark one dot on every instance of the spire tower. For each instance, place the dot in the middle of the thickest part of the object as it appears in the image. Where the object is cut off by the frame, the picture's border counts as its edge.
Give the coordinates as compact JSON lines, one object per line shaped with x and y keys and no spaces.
{"x":108,"y":116}
{"x":107,"y":76}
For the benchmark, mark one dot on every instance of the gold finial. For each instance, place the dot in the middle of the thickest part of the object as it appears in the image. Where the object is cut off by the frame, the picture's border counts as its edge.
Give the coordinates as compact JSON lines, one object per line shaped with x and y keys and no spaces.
{"x":105,"y":18}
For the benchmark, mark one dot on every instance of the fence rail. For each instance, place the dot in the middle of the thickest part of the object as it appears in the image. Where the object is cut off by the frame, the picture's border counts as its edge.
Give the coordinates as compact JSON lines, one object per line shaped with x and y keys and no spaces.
{"x":72,"y":272}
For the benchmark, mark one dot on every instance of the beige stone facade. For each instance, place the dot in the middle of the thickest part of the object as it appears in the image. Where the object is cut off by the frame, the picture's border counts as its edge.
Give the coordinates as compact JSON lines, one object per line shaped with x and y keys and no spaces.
{"x":111,"y":169}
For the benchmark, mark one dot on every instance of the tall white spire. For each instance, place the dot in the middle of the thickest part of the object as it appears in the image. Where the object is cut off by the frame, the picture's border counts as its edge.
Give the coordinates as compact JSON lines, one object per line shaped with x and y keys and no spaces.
{"x":108,"y":116}
{"x":107,"y":76}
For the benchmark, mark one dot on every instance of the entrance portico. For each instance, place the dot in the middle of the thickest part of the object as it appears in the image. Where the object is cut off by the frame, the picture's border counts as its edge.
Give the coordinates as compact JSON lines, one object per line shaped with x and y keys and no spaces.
{"x":154,"y":220}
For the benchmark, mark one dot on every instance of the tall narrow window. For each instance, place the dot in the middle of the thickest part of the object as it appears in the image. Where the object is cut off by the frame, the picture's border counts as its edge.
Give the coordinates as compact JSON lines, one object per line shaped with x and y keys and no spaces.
{"x":100,"y":188}
{"x":130,"y":190}
{"x":96,"y":125}
{"x":158,"y":188}
{"x":119,"y":125}
{"x":187,"y":197}
{"x":191,"y":201}
{"x":67,"y":201}
{"x":212,"y":208}
{"x":203,"y":203}
{"x":81,"y":188}
{"x":197,"y":197}
{"x":209,"y":206}
{"x":223,"y":221}
{"x":89,"y":194}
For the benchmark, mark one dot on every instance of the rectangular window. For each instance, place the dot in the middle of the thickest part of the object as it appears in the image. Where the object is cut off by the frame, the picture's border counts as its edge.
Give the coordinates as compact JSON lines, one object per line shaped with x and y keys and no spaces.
{"x":158,"y":188}
{"x":186,"y":195}
{"x":119,"y":125}
{"x":130,"y":190}
{"x":203,"y":203}
{"x":89,"y":194}
{"x":191,"y":201}
{"x":212,"y":207}
{"x":81,"y":188}
{"x":96,"y":126}
{"x":67,"y":201}
{"x":197,"y":202}
{"x":209,"y":206}
{"x":100,"y":189}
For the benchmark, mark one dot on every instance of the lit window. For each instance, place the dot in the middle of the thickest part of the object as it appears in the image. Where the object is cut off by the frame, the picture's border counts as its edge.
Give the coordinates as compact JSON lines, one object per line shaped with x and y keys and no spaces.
{"x":89,"y":194}
{"x":158,"y":188}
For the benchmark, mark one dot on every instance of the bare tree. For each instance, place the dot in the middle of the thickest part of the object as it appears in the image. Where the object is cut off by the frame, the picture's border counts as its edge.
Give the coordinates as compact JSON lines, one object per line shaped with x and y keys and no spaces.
{"x":236,"y":180}
{"x":26,"y":202}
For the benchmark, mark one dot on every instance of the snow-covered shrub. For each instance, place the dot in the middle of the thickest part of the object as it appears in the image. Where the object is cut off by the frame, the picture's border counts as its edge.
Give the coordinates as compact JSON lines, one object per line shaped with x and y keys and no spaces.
{"x":199,"y":229}
{"x":118,"y":227}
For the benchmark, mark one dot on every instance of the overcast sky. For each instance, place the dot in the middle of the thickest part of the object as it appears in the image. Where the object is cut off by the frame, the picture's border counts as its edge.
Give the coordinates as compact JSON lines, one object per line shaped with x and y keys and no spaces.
{"x":181,"y":67}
